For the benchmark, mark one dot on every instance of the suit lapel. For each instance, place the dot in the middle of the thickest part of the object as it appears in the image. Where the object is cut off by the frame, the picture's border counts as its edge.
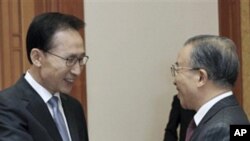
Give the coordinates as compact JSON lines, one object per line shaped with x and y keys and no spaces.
{"x":231,"y":100}
{"x":70,"y":118}
{"x":38,"y":109}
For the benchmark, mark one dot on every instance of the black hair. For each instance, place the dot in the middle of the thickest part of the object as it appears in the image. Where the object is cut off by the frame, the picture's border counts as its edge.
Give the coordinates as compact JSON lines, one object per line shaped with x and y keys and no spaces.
{"x":44,"y":26}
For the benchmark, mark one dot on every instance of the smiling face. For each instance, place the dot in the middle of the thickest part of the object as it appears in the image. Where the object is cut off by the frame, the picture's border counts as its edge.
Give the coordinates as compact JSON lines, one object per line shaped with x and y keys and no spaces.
{"x":185,"y":79}
{"x":54,"y":74}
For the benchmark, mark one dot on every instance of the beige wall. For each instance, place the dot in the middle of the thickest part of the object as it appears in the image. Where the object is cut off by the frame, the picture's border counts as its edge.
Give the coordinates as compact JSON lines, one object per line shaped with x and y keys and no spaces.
{"x":132,"y":44}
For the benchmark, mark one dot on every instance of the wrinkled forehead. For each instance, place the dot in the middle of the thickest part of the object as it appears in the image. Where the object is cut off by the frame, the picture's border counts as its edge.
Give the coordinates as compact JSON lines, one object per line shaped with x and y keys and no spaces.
{"x":183,"y":57}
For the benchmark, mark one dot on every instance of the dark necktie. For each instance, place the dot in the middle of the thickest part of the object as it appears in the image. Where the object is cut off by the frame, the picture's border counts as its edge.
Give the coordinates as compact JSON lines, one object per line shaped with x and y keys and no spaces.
{"x":58,"y":118}
{"x":190,"y":130}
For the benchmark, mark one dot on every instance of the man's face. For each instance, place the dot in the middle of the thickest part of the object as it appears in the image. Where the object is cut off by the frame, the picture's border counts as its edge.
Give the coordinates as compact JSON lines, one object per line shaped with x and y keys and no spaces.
{"x":55,"y":75}
{"x":185,"y":78}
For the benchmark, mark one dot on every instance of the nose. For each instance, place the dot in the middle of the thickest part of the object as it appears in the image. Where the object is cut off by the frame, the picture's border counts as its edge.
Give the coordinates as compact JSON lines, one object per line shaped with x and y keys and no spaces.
{"x":76,"y":69}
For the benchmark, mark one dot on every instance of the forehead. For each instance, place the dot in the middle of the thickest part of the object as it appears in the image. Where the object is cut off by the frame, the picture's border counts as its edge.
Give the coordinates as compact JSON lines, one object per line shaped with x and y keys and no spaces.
{"x":69,"y":41}
{"x":183,"y":57}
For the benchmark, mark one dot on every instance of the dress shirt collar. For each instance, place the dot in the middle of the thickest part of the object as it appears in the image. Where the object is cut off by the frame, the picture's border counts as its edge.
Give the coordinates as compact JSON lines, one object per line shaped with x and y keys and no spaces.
{"x":45,"y":94}
{"x":207,"y":106}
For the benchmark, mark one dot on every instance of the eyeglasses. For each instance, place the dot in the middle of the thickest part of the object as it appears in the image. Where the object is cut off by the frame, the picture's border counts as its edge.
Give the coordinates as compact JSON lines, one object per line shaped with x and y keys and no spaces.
{"x":71,"y":61}
{"x":175,"y":69}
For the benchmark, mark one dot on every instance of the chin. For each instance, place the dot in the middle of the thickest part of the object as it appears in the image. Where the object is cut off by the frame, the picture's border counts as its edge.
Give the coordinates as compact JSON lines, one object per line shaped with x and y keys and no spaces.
{"x":66,"y":90}
{"x":183,"y":105}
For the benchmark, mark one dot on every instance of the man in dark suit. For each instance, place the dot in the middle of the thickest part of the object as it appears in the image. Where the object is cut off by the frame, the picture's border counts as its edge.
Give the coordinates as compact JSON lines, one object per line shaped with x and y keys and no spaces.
{"x":38,"y":107}
{"x":178,"y":117}
{"x":205,"y":72}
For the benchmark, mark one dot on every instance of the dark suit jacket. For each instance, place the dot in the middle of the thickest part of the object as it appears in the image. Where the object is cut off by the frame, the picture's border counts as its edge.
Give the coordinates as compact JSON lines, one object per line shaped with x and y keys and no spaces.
{"x":215,"y":126}
{"x":177,"y":117}
{"x":25,"y":117}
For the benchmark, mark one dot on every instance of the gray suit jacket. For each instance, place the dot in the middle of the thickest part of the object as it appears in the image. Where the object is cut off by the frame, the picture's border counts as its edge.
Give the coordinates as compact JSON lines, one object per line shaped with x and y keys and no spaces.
{"x":215,"y":126}
{"x":25,"y":117}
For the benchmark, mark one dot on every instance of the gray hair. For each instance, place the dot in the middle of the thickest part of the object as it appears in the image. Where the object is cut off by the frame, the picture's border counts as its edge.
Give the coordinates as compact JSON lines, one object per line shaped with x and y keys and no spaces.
{"x":217,"y":55}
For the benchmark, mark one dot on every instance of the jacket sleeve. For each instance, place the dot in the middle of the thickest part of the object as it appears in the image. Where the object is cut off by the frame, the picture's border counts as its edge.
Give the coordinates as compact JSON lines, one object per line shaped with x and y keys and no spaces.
{"x":173,"y":122}
{"x":12,"y":125}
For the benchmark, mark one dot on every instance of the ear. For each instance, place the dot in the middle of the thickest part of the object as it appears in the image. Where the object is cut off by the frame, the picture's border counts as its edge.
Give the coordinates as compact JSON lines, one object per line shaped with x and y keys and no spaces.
{"x":36,"y":56}
{"x":202,"y":77}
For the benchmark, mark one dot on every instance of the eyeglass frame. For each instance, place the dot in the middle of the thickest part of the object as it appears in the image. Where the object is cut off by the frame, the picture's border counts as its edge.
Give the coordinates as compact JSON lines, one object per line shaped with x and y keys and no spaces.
{"x":174,"y":69}
{"x":74,"y":59}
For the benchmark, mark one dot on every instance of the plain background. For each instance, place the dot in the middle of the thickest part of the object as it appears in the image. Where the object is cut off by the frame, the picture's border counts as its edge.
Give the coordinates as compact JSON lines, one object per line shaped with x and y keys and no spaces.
{"x":132,"y":45}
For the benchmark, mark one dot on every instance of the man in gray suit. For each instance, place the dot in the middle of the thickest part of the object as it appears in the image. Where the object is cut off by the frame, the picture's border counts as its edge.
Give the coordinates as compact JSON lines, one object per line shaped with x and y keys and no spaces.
{"x":205,"y":72}
{"x":38,"y":107}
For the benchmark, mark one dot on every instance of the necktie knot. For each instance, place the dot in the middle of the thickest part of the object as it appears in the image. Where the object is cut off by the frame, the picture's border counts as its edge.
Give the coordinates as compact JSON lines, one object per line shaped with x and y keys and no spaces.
{"x":53,"y":102}
{"x":192,"y":124}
